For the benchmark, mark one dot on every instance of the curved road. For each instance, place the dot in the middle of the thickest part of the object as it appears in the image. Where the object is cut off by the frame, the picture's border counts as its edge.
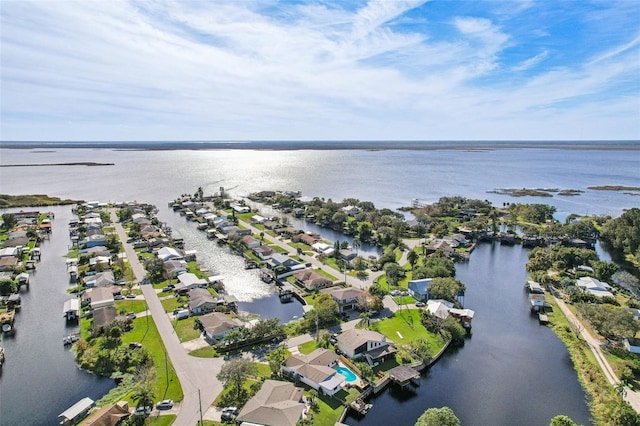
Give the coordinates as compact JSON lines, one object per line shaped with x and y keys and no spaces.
{"x":197,"y":375}
{"x":629,"y":395}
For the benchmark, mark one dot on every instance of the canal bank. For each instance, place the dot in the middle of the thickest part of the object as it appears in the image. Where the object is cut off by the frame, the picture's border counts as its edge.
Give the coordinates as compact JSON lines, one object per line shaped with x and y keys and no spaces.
{"x":510,"y":371}
{"x":40,"y":378}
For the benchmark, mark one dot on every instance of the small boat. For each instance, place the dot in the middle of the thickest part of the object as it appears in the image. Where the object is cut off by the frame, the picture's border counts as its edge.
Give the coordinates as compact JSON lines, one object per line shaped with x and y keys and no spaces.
{"x":6,"y":328}
{"x":70,"y":339}
{"x":1,"y":357}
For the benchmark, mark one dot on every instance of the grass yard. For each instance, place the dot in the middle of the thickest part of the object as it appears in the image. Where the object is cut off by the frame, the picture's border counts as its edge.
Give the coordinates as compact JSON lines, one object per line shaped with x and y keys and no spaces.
{"x":185,"y":329}
{"x":165,"y":420}
{"x":308,"y":347}
{"x":206,"y":352}
{"x":404,"y":300}
{"x":173,"y":303}
{"x":136,"y":306}
{"x":166,"y":384}
{"x":407,"y":322}
{"x":325,"y":274}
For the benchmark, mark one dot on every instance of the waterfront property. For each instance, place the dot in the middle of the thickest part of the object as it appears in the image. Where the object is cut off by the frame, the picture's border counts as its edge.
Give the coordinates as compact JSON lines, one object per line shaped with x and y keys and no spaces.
{"x":276,"y":404}
{"x":419,"y":289}
{"x":201,"y":301}
{"x":593,"y":286}
{"x":216,"y":325}
{"x":348,"y":298}
{"x":370,"y":345}
{"x":317,"y":369}
{"x":109,"y":415}
{"x":76,"y":411}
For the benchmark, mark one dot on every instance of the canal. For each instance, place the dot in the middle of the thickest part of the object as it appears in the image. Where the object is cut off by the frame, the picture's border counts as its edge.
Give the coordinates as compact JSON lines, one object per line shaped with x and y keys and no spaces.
{"x":40,"y":378}
{"x":511,"y":371}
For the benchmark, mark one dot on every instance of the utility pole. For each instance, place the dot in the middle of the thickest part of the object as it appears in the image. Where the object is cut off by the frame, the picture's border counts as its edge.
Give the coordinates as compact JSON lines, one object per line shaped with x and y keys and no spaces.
{"x":200,"y":405}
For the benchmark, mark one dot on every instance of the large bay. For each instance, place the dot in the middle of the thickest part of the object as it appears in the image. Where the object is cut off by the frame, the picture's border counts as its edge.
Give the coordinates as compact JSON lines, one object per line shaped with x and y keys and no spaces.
{"x":510,"y":372}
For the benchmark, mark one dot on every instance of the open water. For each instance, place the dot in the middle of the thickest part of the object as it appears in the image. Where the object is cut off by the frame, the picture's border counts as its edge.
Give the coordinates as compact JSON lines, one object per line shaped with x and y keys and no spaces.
{"x":510,"y":372}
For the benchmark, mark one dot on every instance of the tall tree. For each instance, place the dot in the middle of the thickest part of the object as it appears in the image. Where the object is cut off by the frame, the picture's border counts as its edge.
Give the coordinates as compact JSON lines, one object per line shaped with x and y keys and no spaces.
{"x":235,"y":372}
{"x":8,"y":220}
{"x":412,"y":258}
{"x":438,"y":417}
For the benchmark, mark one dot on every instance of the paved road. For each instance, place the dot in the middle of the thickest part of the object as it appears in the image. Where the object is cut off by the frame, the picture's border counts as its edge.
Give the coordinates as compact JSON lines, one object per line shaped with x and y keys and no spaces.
{"x":631,"y":396}
{"x":197,"y":375}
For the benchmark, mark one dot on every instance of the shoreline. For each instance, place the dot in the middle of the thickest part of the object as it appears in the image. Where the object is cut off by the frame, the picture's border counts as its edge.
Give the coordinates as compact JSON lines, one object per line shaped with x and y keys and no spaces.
{"x":630,"y":145}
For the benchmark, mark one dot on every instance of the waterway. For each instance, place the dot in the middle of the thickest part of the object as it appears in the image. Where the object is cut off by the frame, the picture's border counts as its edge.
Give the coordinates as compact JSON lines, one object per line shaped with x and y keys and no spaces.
{"x":40,"y":378}
{"x":511,"y":371}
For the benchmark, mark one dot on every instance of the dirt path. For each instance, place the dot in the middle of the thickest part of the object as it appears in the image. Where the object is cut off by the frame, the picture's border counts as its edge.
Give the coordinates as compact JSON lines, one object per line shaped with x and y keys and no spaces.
{"x":631,"y":396}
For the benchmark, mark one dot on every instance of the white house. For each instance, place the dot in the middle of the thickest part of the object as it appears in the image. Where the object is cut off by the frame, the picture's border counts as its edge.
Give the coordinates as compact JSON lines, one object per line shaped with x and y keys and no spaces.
{"x":322,"y":248}
{"x":316,"y":370}
{"x":370,"y":345}
{"x":597,"y":288}
{"x":189,"y":281}
{"x":168,"y":253}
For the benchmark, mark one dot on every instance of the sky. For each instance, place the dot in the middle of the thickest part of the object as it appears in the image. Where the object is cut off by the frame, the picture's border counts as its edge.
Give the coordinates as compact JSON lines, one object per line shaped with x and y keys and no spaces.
{"x":110,"y":70}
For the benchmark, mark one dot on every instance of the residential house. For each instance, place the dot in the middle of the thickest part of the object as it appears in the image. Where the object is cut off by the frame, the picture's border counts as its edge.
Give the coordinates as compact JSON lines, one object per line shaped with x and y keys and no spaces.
{"x":99,"y":260}
{"x":95,"y":251}
{"x":264,"y":252}
{"x":419,"y":289}
{"x":257,"y":219}
{"x":308,"y":239}
{"x":168,"y":253}
{"x":250,"y":242}
{"x":350,"y":210}
{"x":10,"y":252}
{"x":201,"y":301}
{"x":175,"y":267}
{"x":347,"y":255}
{"x":104,"y":316}
{"x":241,"y":209}
{"x":322,"y":248}
{"x":216,"y":325}
{"x":443,"y":309}
{"x":316,"y":370}
{"x":440,"y":245}
{"x":632,"y":345}
{"x":109,"y":415}
{"x":270,"y":224}
{"x":348,"y":298}
{"x":188,"y":281}
{"x":101,"y":279}
{"x":311,"y":279}
{"x":16,"y":242}
{"x":597,"y":288}
{"x":100,"y":297}
{"x":276,"y":404}
{"x":280,"y":259}
{"x":8,"y":263}
{"x":96,"y":240}
{"x":370,"y":345}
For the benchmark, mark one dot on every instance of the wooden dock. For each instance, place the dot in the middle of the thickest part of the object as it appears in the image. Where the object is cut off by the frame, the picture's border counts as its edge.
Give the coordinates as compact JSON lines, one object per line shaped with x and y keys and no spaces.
{"x":403,"y":375}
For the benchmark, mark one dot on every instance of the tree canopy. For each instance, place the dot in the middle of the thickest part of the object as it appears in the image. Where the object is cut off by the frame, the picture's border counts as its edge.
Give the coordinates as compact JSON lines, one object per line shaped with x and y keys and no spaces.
{"x":438,"y":417}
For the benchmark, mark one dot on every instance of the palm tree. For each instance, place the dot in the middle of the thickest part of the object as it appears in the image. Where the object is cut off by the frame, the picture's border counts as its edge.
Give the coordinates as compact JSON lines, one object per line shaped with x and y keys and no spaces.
{"x":143,"y":395}
{"x":356,"y":244}
{"x":412,"y":258}
{"x":365,"y":319}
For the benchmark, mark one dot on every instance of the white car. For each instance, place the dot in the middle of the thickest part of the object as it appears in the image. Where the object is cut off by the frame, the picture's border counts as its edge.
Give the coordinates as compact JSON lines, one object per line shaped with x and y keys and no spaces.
{"x":166,"y":404}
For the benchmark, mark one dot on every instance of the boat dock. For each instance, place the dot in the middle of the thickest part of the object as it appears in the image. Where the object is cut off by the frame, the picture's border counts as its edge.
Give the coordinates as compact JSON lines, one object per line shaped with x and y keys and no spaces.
{"x":76,"y":412}
{"x":403,"y":375}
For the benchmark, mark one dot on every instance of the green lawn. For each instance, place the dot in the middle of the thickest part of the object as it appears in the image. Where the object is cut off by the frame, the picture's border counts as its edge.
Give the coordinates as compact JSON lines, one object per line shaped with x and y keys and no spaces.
{"x":407,"y":322}
{"x":308,"y":347}
{"x":325,"y":274}
{"x":404,"y":300}
{"x":206,"y":352}
{"x":173,"y":303}
{"x":136,"y":306}
{"x":185,"y":330}
{"x":164,"y":420}
{"x":166,"y":384}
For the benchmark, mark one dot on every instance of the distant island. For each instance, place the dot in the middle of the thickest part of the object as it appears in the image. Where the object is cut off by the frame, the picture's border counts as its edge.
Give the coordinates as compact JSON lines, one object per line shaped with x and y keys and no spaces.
{"x":9,"y":201}
{"x":537,"y":192}
{"x":89,"y":163}
{"x":614,"y":188}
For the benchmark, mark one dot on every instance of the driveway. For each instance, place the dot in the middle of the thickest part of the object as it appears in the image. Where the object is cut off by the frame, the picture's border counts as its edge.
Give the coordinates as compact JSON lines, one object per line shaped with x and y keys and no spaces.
{"x":197,"y":375}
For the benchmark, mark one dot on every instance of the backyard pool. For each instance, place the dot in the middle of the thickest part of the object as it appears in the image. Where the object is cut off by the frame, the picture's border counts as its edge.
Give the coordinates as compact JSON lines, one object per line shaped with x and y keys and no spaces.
{"x":348,"y":374}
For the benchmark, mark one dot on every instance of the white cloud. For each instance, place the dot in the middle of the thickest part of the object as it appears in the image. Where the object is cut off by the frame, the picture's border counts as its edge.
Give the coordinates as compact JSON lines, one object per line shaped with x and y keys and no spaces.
{"x":157,"y":70}
{"x":531,"y":62}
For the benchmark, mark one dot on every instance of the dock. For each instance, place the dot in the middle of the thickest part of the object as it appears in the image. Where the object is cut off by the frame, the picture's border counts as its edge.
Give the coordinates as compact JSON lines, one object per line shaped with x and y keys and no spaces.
{"x":360,"y":406}
{"x":403,"y":375}
{"x":71,"y":309}
{"x":543,"y":319}
{"x":76,"y":412}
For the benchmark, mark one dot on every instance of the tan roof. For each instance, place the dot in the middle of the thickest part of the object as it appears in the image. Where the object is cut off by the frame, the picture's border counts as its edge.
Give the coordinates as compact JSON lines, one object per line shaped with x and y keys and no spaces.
{"x":276,"y":404}
{"x":314,"y":366}
{"x":311,"y":278}
{"x":109,"y":415}
{"x":217,"y":322}
{"x":347,"y":293}
{"x":354,"y":338}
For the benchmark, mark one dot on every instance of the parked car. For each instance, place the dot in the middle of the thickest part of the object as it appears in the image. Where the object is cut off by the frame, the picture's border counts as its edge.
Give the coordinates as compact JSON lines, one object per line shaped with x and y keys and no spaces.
{"x":420,"y":304}
{"x":118,"y":297}
{"x":165,"y":404}
{"x":227,"y":417}
{"x":142,"y":411}
{"x":230,"y":410}
{"x":135,"y":345}
{"x":131,"y":315}
{"x":167,"y":288}
{"x":130,"y":296}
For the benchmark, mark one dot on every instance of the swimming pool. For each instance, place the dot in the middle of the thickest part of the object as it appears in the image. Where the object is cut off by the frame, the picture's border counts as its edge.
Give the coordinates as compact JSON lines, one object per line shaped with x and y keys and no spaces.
{"x":349,"y":375}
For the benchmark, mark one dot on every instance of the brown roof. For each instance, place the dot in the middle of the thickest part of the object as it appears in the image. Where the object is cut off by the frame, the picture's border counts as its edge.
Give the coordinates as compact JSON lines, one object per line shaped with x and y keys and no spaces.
{"x":276,"y":404}
{"x":356,"y":337}
{"x":110,"y":415}
{"x":217,"y":322}
{"x":310,"y":278}
{"x":347,"y":293}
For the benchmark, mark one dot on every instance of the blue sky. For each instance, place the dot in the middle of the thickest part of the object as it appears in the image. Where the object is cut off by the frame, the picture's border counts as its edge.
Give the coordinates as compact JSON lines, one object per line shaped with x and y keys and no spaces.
{"x":311,"y":70}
